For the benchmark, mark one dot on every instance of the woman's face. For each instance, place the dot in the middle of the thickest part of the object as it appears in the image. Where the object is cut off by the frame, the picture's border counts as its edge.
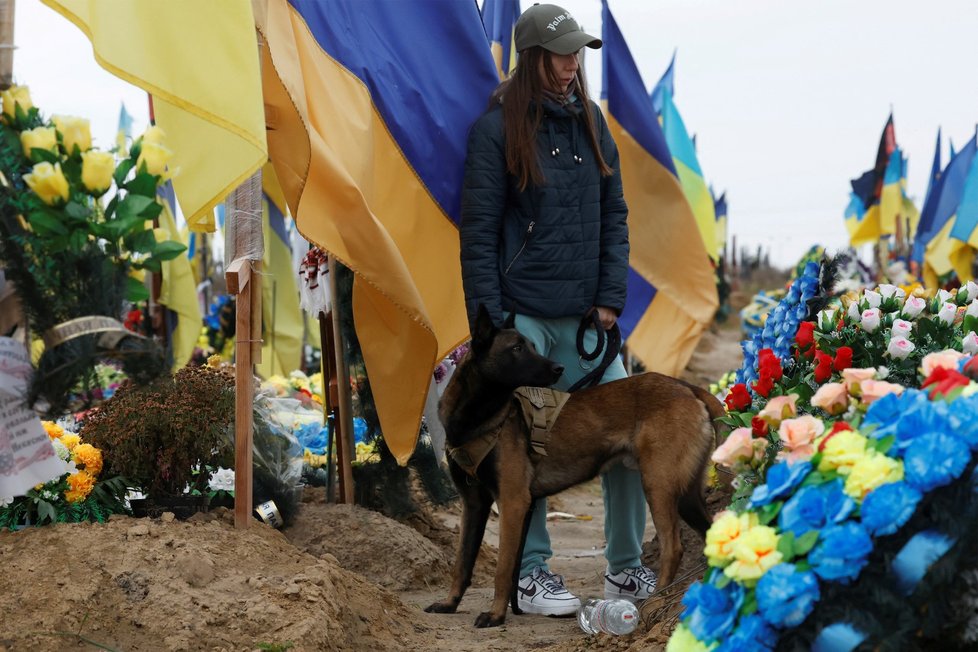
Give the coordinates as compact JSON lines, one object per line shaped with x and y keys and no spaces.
{"x":565,"y":67}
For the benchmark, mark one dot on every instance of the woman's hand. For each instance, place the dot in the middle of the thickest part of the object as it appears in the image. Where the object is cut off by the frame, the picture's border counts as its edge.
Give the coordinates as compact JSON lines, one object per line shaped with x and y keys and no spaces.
{"x":607,"y":317}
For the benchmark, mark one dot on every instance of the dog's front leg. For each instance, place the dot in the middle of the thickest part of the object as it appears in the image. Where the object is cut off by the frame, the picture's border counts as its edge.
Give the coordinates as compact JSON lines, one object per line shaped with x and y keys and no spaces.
{"x":476,"y":503}
{"x":513,"y":502}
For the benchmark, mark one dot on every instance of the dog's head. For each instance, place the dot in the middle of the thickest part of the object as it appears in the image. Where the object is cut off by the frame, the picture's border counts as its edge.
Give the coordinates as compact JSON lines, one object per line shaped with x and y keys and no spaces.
{"x":506,"y":357}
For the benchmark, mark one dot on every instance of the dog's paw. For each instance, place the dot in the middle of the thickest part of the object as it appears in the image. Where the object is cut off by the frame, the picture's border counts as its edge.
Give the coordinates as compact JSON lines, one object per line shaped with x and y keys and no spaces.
{"x":446,"y":607}
{"x":486,"y":619}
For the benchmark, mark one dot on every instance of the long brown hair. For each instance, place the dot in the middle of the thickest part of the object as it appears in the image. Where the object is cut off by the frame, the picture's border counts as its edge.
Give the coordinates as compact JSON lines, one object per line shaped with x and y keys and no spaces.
{"x":523,"y":113}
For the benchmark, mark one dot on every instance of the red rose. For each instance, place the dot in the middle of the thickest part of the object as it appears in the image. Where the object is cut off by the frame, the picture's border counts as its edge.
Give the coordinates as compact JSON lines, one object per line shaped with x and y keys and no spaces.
{"x":843,"y":358}
{"x":738,"y":399}
{"x":805,"y":337}
{"x":942,"y":381}
{"x":768,"y":365}
{"x":758,"y":426}
{"x":763,"y":386}
{"x":971,"y":368}
{"x":823,"y":367}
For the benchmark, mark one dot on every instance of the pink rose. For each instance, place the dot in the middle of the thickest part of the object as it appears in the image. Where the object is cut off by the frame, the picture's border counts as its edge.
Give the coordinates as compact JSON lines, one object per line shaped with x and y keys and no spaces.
{"x":735,"y":450}
{"x":832,"y":397}
{"x":778,"y":409}
{"x":800,"y":454}
{"x":942,"y":359}
{"x":798,"y":434}
{"x":874,"y":389}
{"x":853,"y":377}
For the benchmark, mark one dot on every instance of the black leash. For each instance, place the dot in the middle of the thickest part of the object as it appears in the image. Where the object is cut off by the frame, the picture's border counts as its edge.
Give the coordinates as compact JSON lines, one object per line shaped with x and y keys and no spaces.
{"x":591,"y":379}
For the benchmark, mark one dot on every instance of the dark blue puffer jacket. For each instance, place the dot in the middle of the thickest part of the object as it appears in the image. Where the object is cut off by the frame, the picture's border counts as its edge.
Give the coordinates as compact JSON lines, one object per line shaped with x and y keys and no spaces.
{"x":553,"y":250}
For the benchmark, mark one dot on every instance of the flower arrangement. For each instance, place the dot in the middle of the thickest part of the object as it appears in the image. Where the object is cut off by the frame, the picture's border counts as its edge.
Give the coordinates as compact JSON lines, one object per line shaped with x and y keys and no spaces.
{"x":80,"y":493}
{"x":862,"y":534}
{"x":308,"y":390}
{"x":75,"y":236}
{"x":217,"y":333}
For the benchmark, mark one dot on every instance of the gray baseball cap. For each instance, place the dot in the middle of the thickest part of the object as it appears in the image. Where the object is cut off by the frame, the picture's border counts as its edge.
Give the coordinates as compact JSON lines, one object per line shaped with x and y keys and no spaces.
{"x":552,"y":28}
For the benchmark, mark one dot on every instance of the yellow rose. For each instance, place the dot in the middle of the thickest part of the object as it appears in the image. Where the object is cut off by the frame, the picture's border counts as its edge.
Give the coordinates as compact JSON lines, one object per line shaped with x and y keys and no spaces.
{"x":40,"y":138}
{"x":74,"y":131}
{"x":153,"y":134}
{"x":16,"y":95}
{"x":48,"y":182}
{"x":754,"y":553}
{"x":79,"y":486}
{"x":841,"y":450}
{"x":97,"y":171}
{"x":683,"y":640}
{"x":89,"y":457}
{"x":720,"y":538}
{"x":154,"y":156}
{"x":870,"y":472}
{"x":70,"y":440}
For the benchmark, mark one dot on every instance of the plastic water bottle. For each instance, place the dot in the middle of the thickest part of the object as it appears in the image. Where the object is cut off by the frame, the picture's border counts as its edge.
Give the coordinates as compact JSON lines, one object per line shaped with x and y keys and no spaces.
{"x":610,"y":616}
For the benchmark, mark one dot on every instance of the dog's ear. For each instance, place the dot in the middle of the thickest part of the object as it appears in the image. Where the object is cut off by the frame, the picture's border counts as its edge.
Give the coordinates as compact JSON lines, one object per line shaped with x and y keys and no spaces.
{"x":510,"y":321}
{"x":483,"y":330}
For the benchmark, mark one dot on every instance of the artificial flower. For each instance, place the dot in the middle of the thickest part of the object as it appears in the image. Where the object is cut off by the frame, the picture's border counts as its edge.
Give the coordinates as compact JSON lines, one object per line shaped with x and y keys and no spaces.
{"x":814,"y":507}
{"x":887,"y":508}
{"x":70,"y":440}
{"x":874,"y":389}
{"x":826,"y":320}
{"x":843,"y":358}
{"x":947,"y":359}
{"x":900,"y":328}
{"x":763,"y":386}
{"x":785,"y":595}
{"x":759,"y":426}
{"x":97,"y":171}
{"x":782,"y":478}
{"x":711,"y":611}
{"x":13,"y":96}
{"x":751,"y":633}
{"x":768,"y":364}
{"x":88,"y":456}
{"x":841,"y":552}
{"x":942,"y":381}
{"x":754,"y":553}
{"x":683,"y":640}
{"x":841,"y":450}
{"x":869,"y":320}
{"x":52,"y":429}
{"x":799,"y":434}
{"x":779,"y":408}
{"x":153,"y":134}
{"x":39,"y":138}
{"x":48,"y":182}
{"x":738,"y":399}
{"x":823,"y":367}
{"x":61,"y":450}
{"x":805,"y":337}
{"x":934,"y":459}
{"x":737,"y":448}
{"x":900,"y":347}
{"x":831,"y":397}
{"x":887,"y":290}
{"x":870,"y":472}
{"x":969,"y":344}
{"x":80,"y":484}
{"x":75,"y":132}
{"x":725,"y":530}
{"x":873,"y":298}
{"x":221,"y":480}
{"x":913,"y":307}
{"x":853,"y":312}
{"x":972,"y":310}
{"x":154,"y":156}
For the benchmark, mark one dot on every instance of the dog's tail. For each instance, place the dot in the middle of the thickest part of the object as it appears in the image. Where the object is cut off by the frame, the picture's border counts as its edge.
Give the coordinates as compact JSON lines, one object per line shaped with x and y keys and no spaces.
{"x":713,"y":406}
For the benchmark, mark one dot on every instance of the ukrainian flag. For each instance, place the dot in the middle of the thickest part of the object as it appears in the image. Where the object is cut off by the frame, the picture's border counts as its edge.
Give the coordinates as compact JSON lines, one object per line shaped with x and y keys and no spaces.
{"x":720,"y":208}
{"x":690,"y":175}
{"x":964,"y":233}
{"x":865,"y":225}
{"x":178,"y":289}
{"x":199,"y":60}
{"x":499,"y":19}
{"x":666,"y":84}
{"x":891,"y":195}
{"x":947,"y":197}
{"x":671,"y":291}
{"x":282,"y":326}
{"x":368,"y":107}
{"x":923,"y":232}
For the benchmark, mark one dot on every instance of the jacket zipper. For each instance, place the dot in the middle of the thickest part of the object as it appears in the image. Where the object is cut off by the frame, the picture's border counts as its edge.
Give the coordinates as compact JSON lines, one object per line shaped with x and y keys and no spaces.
{"x":526,"y":239}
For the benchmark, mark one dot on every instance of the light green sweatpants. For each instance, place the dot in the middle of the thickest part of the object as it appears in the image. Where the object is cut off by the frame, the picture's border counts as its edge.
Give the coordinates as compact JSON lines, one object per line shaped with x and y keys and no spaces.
{"x":624,"y":501}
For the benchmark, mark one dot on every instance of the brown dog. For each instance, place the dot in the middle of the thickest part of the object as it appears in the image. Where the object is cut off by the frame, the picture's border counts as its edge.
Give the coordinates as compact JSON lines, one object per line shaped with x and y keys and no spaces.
{"x":663,"y":425}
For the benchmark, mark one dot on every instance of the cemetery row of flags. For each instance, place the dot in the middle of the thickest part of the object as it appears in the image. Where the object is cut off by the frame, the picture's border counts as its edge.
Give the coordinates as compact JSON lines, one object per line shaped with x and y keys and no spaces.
{"x":942,"y":237}
{"x":366,"y":125}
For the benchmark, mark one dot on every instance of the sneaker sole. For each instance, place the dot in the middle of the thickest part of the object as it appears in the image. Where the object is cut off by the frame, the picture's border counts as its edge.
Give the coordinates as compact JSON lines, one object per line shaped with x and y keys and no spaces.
{"x":556,"y":611}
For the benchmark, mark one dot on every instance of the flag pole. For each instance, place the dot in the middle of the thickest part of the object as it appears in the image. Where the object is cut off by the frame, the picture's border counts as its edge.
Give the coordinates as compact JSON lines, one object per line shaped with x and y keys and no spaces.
{"x":6,"y":44}
{"x":345,"y":452}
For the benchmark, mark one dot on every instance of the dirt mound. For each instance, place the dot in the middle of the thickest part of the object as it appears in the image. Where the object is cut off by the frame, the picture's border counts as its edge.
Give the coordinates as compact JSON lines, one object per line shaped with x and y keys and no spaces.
{"x":141,"y":584}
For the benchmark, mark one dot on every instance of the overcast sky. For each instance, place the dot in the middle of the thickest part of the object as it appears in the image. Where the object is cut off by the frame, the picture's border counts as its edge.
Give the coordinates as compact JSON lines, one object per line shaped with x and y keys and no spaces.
{"x":787,"y":98}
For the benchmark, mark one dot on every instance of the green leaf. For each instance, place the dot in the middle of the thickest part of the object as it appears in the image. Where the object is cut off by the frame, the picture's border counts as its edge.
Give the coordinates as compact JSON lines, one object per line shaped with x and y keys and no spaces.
{"x":805,"y":542}
{"x":39,"y":155}
{"x":77,"y":211}
{"x":769,"y":512}
{"x":142,"y":184}
{"x":168,"y":250}
{"x":46,"y":512}
{"x":786,"y":545}
{"x":803,"y":565}
{"x":121,"y":171}
{"x":78,"y":239}
{"x":136,"y":290}
{"x":143,"y":242}
{"x":722,"y":580}
{"x":749,"y":605}
{"x":44,"y":224}
{"x":152,"y":211}
{"x":133,"y":205}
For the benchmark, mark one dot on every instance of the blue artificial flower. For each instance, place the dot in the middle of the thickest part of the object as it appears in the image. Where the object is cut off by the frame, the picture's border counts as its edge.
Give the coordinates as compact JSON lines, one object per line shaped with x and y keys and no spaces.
{"x":841,"y":552}
{"x":919,"y":420}
{"x":963,"y":415}
{"x":888,"y":507}
{"x":782,"y":478}
{"x":751,"y":633}
{"x":710,"y":611}
{"x":885,"y":410}
{"x":934,"y":459}
{"x":785,"y":595}
{"x":815,"y":506}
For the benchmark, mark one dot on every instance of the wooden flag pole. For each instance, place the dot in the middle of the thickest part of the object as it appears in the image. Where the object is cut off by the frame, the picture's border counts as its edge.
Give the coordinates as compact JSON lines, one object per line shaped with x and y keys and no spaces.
{"x":6,"y":44}
{"x":345,"y":451}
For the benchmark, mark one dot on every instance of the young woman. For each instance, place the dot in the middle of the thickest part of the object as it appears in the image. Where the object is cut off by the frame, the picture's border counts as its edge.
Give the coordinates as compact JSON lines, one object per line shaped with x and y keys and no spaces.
{"x":544,"y":236}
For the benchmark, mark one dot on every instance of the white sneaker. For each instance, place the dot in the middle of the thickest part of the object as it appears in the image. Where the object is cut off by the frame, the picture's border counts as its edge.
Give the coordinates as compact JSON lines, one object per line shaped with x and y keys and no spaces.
{"x":542,"y":592}
{"x":632,"y":584}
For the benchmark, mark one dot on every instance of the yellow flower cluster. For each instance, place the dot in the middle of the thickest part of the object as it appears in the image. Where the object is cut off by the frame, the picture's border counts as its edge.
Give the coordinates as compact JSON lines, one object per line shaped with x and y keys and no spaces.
{"x":70,"y":440}
{"x":89,"y":457}
{"x":684,"y":640}
{"x":54,"y":430}
{"x":742,"y":547}
{"x":864,"y":469}
{"x":79,"y":486}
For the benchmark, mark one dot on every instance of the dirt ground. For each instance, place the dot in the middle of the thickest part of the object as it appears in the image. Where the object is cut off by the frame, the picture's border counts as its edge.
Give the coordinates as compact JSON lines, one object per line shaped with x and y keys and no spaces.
{"x":340,"y":578}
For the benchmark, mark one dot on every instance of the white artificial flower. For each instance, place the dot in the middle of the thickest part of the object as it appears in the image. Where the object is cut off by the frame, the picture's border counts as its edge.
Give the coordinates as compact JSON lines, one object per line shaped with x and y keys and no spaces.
{"x":853,"y":312}
{"x":61,"y":450}
{"x":913,"y":307}
{"x":873,"y":298}
{"x":870,"y":320}
{"x":947,"y":313}
{"x":826,"y":319}
{"x":901,"y":293}
{"x":901,"y":328}
{"x":900,"y":347}
{"x":969,"y":344}
{"x":972,"y":290}
{"x":6,"y":500}
{"x":221,"y":480}
{"x":882,"y":372}
{"x":972,"y":309}
{"x":943,"y":296}
{"x":887,"y":290}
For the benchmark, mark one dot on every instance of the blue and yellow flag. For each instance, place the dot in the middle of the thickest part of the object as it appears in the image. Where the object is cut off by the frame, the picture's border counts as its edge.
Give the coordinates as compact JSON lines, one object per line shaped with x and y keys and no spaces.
{"x":924,"y":232}
{"x":282,"y":323}
{"x":964,"y":233}
{"x":369,"y":106}
{"x":690,"y":175}
{"x":178,"y":291}
{"x":499,"y":19}
{"x":124,"y":132}
{"x":671,"y":292}
{"x":868,"y":188}
{"x":199,"y":60}
{"x":666,"y":84}
{"x":891,"y":195}
{"x":720,"y":208}
{"x":947,"y":197}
